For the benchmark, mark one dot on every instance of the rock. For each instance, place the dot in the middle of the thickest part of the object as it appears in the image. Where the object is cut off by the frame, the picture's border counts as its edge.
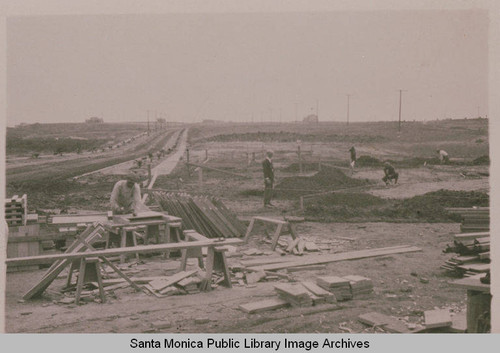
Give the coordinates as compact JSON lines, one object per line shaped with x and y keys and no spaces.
{"x":424,"y":280}
{"x":414,"y":274}
{"x":133,"y":318}
{"x":21,"y":301}
{"x":161,"y":324}
{"x":201,"y":320}
{"x":26,"y":313}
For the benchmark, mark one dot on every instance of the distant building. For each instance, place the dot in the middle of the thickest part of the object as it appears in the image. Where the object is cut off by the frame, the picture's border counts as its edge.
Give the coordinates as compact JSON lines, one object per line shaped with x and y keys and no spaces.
{"x":94,"y":120}
{"x":311,"y":118}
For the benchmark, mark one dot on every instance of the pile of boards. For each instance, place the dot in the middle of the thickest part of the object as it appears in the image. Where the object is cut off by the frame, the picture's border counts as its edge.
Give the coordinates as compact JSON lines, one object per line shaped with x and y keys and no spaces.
{"x":475,"y":219}
{"x":327,"y":289}
{"x":16,"y":210}
{"x":184,"y":282}
{"x":473,"y":254}
{"x":207,"y":215}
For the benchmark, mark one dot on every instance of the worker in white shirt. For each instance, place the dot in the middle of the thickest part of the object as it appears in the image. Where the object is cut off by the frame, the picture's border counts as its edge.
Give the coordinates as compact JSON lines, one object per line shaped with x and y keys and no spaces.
{"x":443,"y":156}
{"x":126,"y":196}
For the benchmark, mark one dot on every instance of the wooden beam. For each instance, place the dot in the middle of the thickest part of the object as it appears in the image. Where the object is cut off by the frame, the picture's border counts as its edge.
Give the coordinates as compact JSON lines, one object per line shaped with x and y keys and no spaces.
{"x":321,"y":259}
{"x":32,"y":260}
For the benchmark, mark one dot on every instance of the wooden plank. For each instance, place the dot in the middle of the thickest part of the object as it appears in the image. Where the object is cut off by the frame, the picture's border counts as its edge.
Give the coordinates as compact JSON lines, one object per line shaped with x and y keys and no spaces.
{"x":270,"y":220}
{"x":472,"y":283}
{"x":321,"y":259}
{"x":163,"y":283}
{"x":316,"y":290}
{"x":123,"y":251}
{"x":437,"y":318}
{"x":467,"y":236}
{"x":264,"y":305}
{"x":374,"y":319}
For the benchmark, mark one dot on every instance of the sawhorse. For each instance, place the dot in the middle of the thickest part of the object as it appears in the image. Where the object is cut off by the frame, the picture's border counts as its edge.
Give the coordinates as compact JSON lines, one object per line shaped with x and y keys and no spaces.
{"x":283,"y":228}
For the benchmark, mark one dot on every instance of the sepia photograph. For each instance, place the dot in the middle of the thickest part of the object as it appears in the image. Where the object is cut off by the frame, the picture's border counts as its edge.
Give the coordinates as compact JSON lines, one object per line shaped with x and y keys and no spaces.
{"x":248,"y":172}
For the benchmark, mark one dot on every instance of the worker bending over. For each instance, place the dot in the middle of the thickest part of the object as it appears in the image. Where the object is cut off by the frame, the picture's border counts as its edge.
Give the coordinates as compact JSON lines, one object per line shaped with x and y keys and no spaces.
{"x":390,"y":174}
{"x":126,"y":196}
{"x":443,"y":156}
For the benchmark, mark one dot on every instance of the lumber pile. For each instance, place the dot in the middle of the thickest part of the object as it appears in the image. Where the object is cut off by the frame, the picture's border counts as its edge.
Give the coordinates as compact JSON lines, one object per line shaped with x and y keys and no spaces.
{"x":294,"y":293}
{"x":475,"y":219}
{"x":16,"y":210}
{"x":473,"y":254}
{"x":207,"y":215}
{"x":337,"y":285}
{"x":359,"y":285}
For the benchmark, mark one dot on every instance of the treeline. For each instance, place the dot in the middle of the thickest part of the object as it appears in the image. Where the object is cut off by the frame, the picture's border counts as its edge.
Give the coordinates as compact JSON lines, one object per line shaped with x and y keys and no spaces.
{"x":51,"y":144}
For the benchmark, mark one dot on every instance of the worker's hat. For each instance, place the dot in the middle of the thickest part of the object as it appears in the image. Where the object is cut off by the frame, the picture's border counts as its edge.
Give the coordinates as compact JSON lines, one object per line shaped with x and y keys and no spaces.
{"x":132,"y":177}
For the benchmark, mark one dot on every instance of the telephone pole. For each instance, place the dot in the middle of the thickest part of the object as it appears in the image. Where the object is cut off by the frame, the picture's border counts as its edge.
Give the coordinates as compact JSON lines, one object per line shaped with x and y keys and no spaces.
{"x":400,"y":102}
{"x":348,"y":101}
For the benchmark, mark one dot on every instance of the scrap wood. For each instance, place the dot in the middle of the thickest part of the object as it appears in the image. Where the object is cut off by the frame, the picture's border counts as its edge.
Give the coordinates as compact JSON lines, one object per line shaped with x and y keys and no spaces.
{"x":321,"y":259}
{"x":264,"y":305}
{"x":162,"y":283}
{"x":306,"y":268}
{"x":437,"y":318}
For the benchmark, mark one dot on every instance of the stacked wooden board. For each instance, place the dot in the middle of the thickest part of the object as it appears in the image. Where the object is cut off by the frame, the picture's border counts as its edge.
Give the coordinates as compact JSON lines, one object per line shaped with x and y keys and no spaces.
{"x":473,"y":254}
{"x":475,"y":219}
{"x":337,"y":285}
{"x":23,"y":241}
{"x":359,"y":285}
{"x":207,"y":215}
{"x":294,"y":293}
{"x":16,"y":210}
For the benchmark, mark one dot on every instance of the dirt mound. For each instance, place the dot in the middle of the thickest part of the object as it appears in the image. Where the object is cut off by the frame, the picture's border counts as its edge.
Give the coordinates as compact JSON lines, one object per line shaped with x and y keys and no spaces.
{"x":483,"y":160}
{"x":429,"y":207}
{"x":294,"y":167}
{"x":369,"y":161}
{"x":327,"y":179}
{"x":282,"y":136}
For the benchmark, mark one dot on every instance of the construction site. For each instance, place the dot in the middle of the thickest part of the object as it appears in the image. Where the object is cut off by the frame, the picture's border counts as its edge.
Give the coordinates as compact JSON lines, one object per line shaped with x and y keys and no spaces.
{"x":337,"y":251}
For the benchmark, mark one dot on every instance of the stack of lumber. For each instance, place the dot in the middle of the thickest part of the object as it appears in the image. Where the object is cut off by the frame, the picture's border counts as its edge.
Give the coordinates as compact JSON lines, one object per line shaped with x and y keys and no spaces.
{"x":475,"y":219}
{"x":190,"y":285}
{"x":318,"y":294}
{"x":337,"y":285}
{"x":207,"y":215}
{"x":359,"y":285}
{"x":294,"y":293}
{"x":473,"y":254}
{"x":23,"y":241}
{"x":16,"y":210}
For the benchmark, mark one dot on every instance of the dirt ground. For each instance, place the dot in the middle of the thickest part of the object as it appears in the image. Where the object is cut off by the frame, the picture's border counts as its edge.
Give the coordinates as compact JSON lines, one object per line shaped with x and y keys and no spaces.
{"x":398,"y":291}
{"x":404,"y":284}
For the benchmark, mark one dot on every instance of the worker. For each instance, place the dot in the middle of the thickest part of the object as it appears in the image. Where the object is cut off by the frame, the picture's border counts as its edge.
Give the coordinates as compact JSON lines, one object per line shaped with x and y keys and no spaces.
{"x":126,"y":196}
{"x":353,"y":157}
{"x":389,"y":174}
{"x":268,"y":168}
{"x":443,"y":156}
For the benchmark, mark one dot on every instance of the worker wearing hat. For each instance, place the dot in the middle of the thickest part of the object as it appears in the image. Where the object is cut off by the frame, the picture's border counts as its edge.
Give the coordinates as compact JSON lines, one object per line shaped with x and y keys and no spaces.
{"x":268,"y":168}
{"x":389,"y":174}
{"x":126,"y":196}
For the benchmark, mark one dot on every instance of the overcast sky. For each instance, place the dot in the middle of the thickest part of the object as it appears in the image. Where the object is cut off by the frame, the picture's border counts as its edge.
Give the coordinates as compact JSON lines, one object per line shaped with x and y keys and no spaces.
{"x":238,"y":66}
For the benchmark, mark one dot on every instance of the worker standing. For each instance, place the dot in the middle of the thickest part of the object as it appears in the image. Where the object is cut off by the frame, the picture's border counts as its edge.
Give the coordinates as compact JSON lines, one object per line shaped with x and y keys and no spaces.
{"x":268,"y":168}
{"x":353,"y":158}
{"x":389,"y":174}
{"x":443,"y":156}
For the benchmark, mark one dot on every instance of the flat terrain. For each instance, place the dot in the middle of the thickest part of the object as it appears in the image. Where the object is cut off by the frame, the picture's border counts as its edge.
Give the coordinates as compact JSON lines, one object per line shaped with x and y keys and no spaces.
{"x":352,"y":211}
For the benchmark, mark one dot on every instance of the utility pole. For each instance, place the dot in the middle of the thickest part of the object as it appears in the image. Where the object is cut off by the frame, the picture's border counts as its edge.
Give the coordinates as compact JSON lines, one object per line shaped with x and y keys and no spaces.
{"x":317,"y":109}
{"x":400,"y":102}
{"x":348,"y":101}
{"x":148,"y":121}
{"x":295,"y":111}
